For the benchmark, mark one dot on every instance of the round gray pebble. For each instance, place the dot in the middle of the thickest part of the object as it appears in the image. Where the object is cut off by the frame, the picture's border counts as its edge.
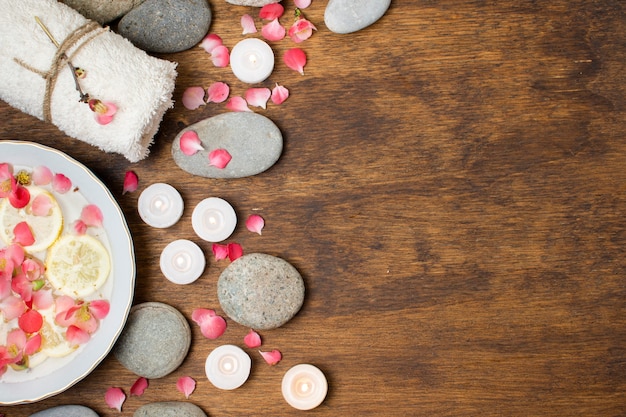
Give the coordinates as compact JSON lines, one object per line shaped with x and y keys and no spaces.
{"x":66,"y":411}
{"x":102,"y":11}
{"x":155,"y":340}
{"x":260,"y":291}
{"x":169,"y":409}
{"x":254,"y":3}
{"x":347,"y":16}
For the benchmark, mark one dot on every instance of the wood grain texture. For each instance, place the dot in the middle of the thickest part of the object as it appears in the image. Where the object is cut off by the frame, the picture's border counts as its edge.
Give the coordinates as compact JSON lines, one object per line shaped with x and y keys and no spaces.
{"x":452,"y":190}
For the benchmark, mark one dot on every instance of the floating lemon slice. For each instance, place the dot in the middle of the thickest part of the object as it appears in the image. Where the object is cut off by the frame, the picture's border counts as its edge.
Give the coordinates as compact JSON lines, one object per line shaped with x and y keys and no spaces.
{"x":77,"y":265}
{"x":46,"y":229}
{"x":53,"y":342}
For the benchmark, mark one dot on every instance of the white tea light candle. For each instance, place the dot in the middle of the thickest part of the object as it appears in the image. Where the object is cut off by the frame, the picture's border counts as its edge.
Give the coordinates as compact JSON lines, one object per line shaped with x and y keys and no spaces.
{"x":214,"y":219}
{"x":252,"y":60}
{"x":304,"y":387}
{"x":228,"y":367}
{"x":160,"y":205}
{"x":182,"y":261}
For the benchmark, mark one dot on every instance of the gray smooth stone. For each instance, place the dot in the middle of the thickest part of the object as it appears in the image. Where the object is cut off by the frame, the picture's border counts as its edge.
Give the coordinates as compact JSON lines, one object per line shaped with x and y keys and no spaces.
{"x":347,"y":16}
{"x":66,"y":411}
{"x":169,"y":409}
{"x":155,"y":340}
{"x":260,"y":291}
{"x":254,"y":3}
{"x":254,"y":142}
{"x":166,"y":26}
{"x":103,"y":11}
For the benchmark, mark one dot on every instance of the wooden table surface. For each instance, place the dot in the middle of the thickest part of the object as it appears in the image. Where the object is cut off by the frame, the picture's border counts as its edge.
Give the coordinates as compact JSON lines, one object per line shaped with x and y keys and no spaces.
{"x":452,"y":189}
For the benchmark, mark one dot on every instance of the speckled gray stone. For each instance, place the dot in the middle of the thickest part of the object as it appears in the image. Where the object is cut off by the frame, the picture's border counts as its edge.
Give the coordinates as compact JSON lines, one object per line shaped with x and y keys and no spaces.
{"x":254,"y":3}
{"x":169,"y":409}
{"x":103,"y":11}
{"x":347,"y":16}
{"x":254,"y":142}
{"x":155,"y":340}
{"x":260,"y":291}
{"x":66,"y":411}
{"x":166,"y":26}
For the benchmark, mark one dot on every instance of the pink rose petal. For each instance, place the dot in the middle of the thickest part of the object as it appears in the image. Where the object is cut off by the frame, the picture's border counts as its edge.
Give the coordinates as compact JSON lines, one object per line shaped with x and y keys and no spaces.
{"x":76,"y":336}
{"x":220,"y":56}
{"x":219,"y":251}
{"x":210,"y":42}
{"x":302,"y":4}
{"x":247,"y":23}
{"x":279,"y":94}
{"x":255,"y":223}
{"x":91,"y":215}
{"x":12,"y":307}
{"x":219,"y":158}
{"x":115,"y":397}
{"x":252,"y":339}
{"x":211,"y":325}
{"x":193,"y":97}
{"x":32,"y":344}
{"x":235,"y":251}
{"x":295,"y":58}
{"x":79,"y":227}
{"x":41,"y":175}
{"x":273,"y":31}
{"x":19,"y":196}
{"x":99,"y":308}
{"x":43,"y":299}
{"x":22,"y":234}
{"x":190,"y":143}
{"x":258,"y":96}
{"x":271,"y":11}
{"x":131,"y":182}
{"x":273,"y":357}
{"x":41,"y":205}
{"x":61,"y":184}
{"x":301,"y":30}
{"x":186,"y":385}
{"x":106,"y":117}
{"x":139,"y":387}
{"x":218,"y":92}
{"x":237,"y":103}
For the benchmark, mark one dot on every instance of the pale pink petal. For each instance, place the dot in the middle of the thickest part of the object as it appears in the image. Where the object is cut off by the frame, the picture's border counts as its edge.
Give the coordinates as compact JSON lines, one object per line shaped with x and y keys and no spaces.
{"x":186,"y":385}
{"x":115,"y":397}
{"x":131,"y":182}
{"x":237,"y":103}
{"x":5,"y":284}
{"x":218,"y":92}
{"x":193,"y":97}
{"x":295,"y":58}
{"x":273,"y":31}
{"x":17,"y":338}
{"x":255,"y":223}
{"x":76,"y":336}
{"x":92,"y":215}
{"x":235,"y":251}
{"x":23,"y":235}
{"x":79,"y":227}
{"x":61,"y":184}
{"x":32,"y":344}
{"x":32,"y":268}
{"x":302,"y":4}
{"x":41,"y":175}
{"x":43,"y":299}
{"x":271,"y":11}
{"x":279,"y":94}
{"x":273,"y":357}
{"x":258,"y":96}
{"x":41,"y":205}
{"x":210,"y":42}
{"x":211,"y":325}
{"x":219,"y":251}
{"x":190,"y":143}
{"x":6,"y":171}
{"x":12,"y":307}
{"x":219,"y":158}
{"x":99,"y":308}
{"x":139,"y":386}
{"x":252,"y":339}
{"x":15,"y":253}
{"x":220,"y":56}
{"x":247,"y":23}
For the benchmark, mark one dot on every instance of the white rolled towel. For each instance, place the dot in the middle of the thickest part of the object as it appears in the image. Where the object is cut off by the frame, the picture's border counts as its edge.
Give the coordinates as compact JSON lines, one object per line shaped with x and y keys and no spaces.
{"x":35,"y":77}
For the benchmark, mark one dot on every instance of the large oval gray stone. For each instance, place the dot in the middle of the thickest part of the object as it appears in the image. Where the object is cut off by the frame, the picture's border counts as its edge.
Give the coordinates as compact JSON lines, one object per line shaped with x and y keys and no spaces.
{"x":166,"y":26}
{"x":254,"y":3}
{"x":260,"y":291}
{"x":169,"y":409}
{"x":66,"y":411}
{"x":155,"y":340}
{"x":254,"y":142}
{"x":347,"y":16}
{"x":103,"y":11}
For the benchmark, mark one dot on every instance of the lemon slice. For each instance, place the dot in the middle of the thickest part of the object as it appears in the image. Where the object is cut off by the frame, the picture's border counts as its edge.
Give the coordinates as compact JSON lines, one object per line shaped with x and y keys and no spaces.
{"x":77,"y":265}
{"x":45,"y":229}
{"x":53,"y":342}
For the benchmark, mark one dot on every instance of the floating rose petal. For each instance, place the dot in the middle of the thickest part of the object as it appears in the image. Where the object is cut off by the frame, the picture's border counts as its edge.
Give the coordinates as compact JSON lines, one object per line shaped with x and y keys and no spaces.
{"x":220,"y":56}
{"x":271,"y":11}
{"x":12,"y":307}
{"x":219,"y":251}
{"x":279,"y":94}
{"x":186,"y":385}
{"x":301,"y":30}
{"x":115,"y":397}
{"x":210,"y":42}
{"x":273,"y":357}
{"x":295,"y":58}
{"x":41,"y":205}
{"x":273,"y":31}
{"x":237,"y":103}
{"x":61,"y":184}
{"x":19,"y":196}
{"x":247,"y":23}
{"x":76,"y":336}
{"x":190,"y":143}
{"x":219,"y":158}
{"x":79,"y":227}
{"x":302,"y":4}
{"x":258,"y":96}
{"x":31,"y":321}
{"x":255,"y":223}
{"x":139,"y":386}
{"x":193,"y":97}
{"x":33,"y":344}
{"x":41,"y":175}
{"x":234,"y":251}
{"x":92,"y":215}
{"x":23,"y":235}
{"x":218,"y":92}
{"x":252,"y":339}
{"x":211,"y":325}
{"x":99,"y":308}
{"x":43,"y":299}
{"x":131,"y":182}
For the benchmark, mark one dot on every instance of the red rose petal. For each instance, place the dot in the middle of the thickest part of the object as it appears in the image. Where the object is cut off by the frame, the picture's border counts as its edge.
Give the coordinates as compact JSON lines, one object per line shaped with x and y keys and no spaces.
{"x":273,"y":357}
{"x":139,"y":386}
{"x":219,"y":158}
{"x":131,"y":182}
{"x":115,"y":397}
{"x":255,"y":223}
{"x":235,"y":251}
{"x":295,"y":58}
{"x":186,"y":385}
{"x":273,"y":31}
{"x":271,"y":11}
{"x":190,"y":143}
{"x":252,"y":339}
{"x":23,"y":235}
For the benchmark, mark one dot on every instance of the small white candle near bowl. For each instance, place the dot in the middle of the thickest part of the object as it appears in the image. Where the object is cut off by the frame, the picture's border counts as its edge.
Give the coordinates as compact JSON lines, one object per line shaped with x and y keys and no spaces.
{"x":252,"y":60}
{"x":228,"y":367}
{"x":160,"y":205}
{"x":182,"y":261}
{"x":214,"y":219}
{"x":304,"y":387}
